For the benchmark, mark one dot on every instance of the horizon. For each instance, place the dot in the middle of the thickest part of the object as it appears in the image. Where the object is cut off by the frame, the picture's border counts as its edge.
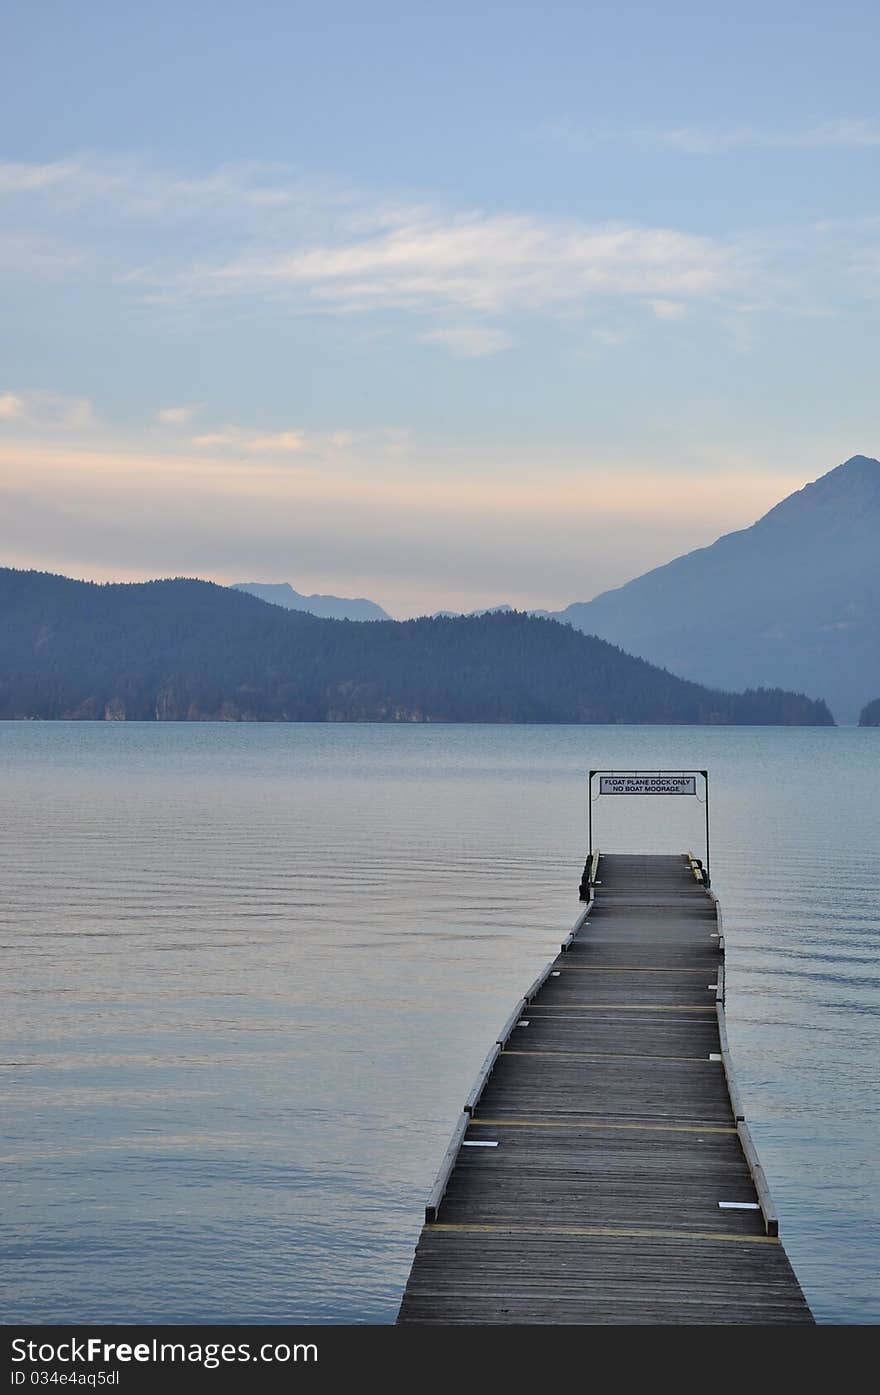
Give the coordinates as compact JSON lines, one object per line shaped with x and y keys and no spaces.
{"x":412,"y":613}
{"x":428,"y":310}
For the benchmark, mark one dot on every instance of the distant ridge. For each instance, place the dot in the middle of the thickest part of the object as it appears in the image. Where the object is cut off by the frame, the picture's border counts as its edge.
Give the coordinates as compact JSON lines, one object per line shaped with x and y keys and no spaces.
{"x":870,"y":714}
{"x":328,"y":607}
{"x":186,"y":650}
{"x":486,"y":610}
{"x":794,"y":600}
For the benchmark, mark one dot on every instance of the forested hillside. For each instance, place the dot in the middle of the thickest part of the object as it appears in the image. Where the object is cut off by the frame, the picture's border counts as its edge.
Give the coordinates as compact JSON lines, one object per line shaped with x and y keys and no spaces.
{"x":185,"y":650}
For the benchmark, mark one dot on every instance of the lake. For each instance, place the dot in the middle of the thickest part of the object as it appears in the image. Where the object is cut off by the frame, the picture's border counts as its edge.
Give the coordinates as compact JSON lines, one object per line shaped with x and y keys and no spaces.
{"x":252,"y":971}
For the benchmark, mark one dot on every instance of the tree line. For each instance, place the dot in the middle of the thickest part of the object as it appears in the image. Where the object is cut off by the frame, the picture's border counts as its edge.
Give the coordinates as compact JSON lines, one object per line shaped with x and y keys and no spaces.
{"x":187,"y":650}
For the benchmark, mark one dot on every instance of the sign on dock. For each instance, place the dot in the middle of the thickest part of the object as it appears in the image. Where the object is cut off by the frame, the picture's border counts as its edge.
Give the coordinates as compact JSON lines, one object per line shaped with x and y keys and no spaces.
{"x":647,"y":784}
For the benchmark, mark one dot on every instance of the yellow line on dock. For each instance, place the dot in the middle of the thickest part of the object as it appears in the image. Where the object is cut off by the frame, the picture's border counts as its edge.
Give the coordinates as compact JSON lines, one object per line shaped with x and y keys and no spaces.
{"x":597,"y":1124}
{"x":614,"y":1056}
{"x":627,"y":969}
{"x":629,"y":1007}
{"x":623,"y":1233}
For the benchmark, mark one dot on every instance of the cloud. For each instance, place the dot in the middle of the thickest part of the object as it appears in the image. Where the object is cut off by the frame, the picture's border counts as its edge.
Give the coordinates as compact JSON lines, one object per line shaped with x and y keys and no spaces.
{"x":179,"y":416}
{"x":278,"y":443}
{"x":11,"y":407}
{"x":18,"y":177}
{"x":211,"y":440}
{"x":132,"y":190}
{"x":828,"y":135}
{"x":491,"y":263}
{"x":837,"y":134}
{"x":469,"y":341}
{"x":258,"y":241}
{"x":28,"y":251}
{"x":43,"y":410}
{"x":260,"y":235}
{"x":667,"y":309}
{"x":243,"y":441}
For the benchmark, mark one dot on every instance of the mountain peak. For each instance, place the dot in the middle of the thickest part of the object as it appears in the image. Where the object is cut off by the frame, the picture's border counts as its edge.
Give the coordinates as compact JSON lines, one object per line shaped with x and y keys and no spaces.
{"x":281,"y":593}
{"x":859,"y":462}
{"x":857,"y":470}
{"x":849,"y":493}
{"x":792,"y":601}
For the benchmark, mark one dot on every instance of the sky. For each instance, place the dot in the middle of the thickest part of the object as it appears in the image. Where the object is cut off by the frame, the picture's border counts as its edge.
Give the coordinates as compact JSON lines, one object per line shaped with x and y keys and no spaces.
{"x":447,"y":306}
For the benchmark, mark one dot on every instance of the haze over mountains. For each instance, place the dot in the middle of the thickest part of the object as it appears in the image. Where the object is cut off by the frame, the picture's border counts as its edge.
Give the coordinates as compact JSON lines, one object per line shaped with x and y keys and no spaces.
{"x":187,"y":650}
{"x":790,"y":603}
{"x":328,"y":607}
{"x":793,"y":601}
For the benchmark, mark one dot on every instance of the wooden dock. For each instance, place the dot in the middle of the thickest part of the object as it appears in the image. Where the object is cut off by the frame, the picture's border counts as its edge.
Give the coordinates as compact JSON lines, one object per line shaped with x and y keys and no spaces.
{"x":602,"y":1170}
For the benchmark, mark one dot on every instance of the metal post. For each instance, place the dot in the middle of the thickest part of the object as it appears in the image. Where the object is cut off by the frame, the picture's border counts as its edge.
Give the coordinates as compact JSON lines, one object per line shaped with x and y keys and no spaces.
{"x":705,"y":775}
{"x":590,"y":813}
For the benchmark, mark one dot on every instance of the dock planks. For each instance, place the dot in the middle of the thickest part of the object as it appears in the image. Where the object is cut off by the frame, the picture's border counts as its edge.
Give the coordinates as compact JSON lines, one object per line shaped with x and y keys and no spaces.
{"x":615,"y":1139}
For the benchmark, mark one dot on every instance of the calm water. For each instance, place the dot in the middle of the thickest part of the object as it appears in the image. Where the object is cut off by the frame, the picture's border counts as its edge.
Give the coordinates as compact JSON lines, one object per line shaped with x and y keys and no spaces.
{"x":253,"y":969}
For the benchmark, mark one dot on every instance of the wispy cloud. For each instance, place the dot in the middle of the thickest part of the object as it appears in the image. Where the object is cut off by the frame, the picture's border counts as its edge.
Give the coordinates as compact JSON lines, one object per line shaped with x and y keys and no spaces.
{"x":279,"y":443}
{"x":841,"y":133}
{"x":261,"y":235}
{"x":29,"y":415}
{"x":667,"y":309}
{"x":329,"y":446}
{"x":244,"y":442}
{"x":179,"y":416}
{"x":481,"y":262}
{"x":41,"y":410}
{"x":469,"y":341}
{"x":260,"y":241}
{"x":137,"y":192}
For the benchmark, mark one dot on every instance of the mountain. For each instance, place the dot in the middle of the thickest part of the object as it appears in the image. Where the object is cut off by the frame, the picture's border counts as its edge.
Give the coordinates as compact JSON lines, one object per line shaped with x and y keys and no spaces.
{"x":792,"y":601}
{"x":185,"y":650}
{"x":487,"y":610}
{"x":329,"y":607}
{"x":870,"y":714}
